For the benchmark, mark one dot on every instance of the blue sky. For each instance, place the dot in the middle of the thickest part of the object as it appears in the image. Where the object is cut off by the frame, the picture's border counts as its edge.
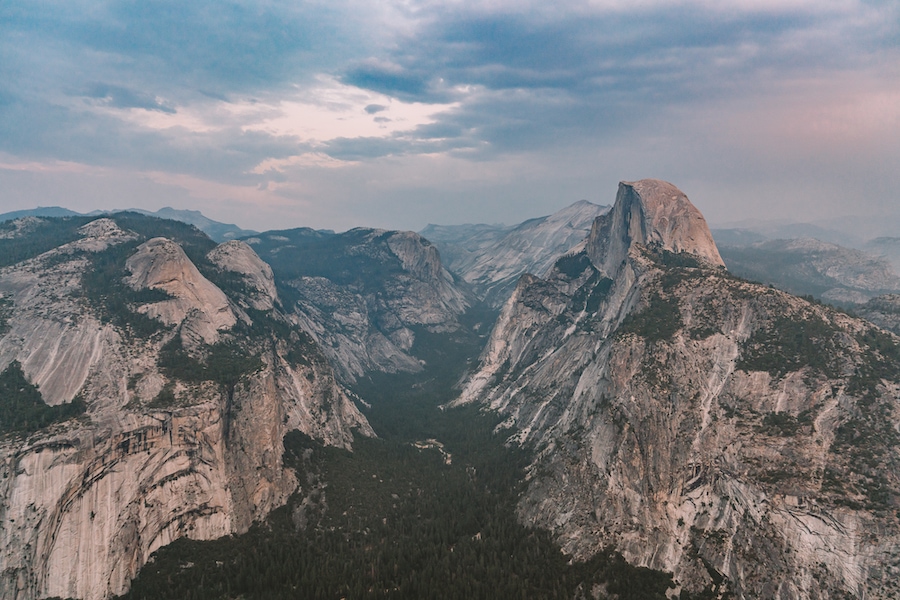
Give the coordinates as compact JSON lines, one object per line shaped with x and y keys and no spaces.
{"x":399,"y":113}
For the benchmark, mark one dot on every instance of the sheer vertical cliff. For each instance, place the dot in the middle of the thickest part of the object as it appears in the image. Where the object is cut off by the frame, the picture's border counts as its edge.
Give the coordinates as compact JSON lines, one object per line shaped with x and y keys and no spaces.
{"x":735,"y":435}
{"x":188,"y":377}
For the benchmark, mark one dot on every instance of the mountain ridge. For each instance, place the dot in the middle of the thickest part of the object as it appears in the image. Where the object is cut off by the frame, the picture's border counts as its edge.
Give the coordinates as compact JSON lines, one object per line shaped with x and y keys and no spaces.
{"x":219,"y":232}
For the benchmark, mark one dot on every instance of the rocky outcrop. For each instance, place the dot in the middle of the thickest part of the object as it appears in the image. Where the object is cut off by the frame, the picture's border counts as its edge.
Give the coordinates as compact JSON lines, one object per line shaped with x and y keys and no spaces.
{"x":161,"y":264}
{"x":364,"y":294}
{"x":238,"y":257}
{"x":165,"y":449}
{"x":649,"y":213}
{"x":491,"y":258}
{"x":730,"y":433}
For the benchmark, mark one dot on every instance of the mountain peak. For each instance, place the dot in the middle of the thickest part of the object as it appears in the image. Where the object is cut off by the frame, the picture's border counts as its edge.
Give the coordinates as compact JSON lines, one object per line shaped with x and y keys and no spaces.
{"x":650,"y":212}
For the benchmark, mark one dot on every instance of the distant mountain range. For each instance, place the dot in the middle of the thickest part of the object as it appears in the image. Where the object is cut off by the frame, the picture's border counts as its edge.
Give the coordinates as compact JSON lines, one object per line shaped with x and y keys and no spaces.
{"x":806,"y":266}
{"x":219,"y":232}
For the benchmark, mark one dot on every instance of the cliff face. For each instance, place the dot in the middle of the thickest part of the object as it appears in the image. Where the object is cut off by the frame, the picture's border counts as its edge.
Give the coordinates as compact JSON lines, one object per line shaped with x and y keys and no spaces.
{"x":649,"y":213}
{"x":364,"y":293}
{"x":491,"y":259}
{"x":161,"y":264}
{"x":187,"y":399}
{"x":735,"y":435}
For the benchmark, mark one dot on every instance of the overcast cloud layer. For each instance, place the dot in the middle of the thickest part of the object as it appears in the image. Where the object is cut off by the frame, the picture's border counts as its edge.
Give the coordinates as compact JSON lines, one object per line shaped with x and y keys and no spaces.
{"x":395,"y":114}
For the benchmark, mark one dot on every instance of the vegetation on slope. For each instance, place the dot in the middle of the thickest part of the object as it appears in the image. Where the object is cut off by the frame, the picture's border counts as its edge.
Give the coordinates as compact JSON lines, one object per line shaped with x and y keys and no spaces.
{"x":349,"y":258}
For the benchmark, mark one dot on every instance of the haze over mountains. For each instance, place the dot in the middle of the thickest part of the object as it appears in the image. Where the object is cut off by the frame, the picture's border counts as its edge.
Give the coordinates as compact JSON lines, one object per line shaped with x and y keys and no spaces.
{"x":636,"y":404}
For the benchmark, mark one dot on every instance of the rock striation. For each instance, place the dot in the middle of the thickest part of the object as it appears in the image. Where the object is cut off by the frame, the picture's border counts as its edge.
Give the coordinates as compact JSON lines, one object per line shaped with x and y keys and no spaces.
{"x":172,"y":443}
{"x":739,"y":437}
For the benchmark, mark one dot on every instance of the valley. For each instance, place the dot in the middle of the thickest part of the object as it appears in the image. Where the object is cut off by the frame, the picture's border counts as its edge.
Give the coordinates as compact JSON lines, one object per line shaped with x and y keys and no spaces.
{"x":585,"y":405}
{"x":394,"y":519}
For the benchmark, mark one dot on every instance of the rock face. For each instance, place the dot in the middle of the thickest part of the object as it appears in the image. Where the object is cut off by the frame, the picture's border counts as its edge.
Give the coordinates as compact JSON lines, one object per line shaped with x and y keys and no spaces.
{"x":364,"y":294}
{"x":161,"y":264}
{"x":238,"y":257}
{"x":739,"y":437}
{"x":492,"y":258}
{"x":808,"y":266}
{"x":649,"y":213}
{"x":174,"y":441}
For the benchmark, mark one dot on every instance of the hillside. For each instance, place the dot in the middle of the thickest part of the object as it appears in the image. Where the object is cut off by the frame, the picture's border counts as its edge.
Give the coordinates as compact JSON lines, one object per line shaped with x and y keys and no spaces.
{"x":365,"y":295}
{"x":491,"y":258}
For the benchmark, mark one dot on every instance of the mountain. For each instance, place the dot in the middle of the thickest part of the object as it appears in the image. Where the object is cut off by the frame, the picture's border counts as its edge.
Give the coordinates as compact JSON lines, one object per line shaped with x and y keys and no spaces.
{"x":40,"y":211}
{"x":851,"y":231}
{"x":737,"y":436}
{"x":831,"y":231}
{"x":491,"y":258}
{"x":884,"y":311}
{"x":367,"y":296}
{"x":807,"y":266}
{"x":736,"y":237}
{"x":219,"y":232}
{"x":147,"y":380}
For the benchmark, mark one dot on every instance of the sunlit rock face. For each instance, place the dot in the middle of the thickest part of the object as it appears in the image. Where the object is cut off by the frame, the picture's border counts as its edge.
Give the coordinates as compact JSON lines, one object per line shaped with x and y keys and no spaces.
{"x":650,"y":213}
{"x":733,"y":434}
{"x":161,"y":264}
{"x":157,"y":455}
{"x":238,"y":257}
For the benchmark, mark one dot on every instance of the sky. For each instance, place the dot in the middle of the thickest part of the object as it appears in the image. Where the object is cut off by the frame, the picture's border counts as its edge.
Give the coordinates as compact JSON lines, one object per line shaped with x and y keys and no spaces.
{"x":400,"y":113}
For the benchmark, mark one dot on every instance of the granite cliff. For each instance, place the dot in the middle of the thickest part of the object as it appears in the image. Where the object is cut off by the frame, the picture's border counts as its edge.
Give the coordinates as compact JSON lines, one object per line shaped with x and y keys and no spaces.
{"x":183,"y":378}
{"x":740,"y":437}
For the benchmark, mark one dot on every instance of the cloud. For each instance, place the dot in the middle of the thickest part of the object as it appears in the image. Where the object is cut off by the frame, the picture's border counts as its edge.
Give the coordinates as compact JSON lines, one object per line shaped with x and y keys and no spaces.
{"x":275,"y":95}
